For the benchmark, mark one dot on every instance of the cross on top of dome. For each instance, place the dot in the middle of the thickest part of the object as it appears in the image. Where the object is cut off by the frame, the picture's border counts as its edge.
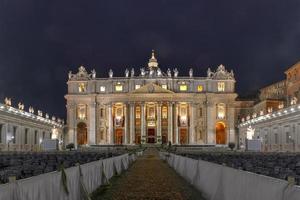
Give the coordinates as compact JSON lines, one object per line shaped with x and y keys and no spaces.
{"x":153,"y":61}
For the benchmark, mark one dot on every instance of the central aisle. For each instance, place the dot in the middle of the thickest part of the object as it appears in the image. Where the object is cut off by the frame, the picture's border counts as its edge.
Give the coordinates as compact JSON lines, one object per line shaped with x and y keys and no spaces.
{"x":150,"y":178}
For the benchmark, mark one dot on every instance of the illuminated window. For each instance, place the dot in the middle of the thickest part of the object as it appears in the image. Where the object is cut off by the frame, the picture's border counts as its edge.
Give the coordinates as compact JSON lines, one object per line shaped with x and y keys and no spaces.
{"x":119,"y":88}
{"x":164,"y":112}
{"x":137,"y":86}
{"x":200,"y":88}
{"x":183,"y":115}
{"x":221,"y":111}
{"x":138,"y":112}
{"x":102,"y":88}
{"x":81,"y":112}
{"x":119,"y":115}
{"x":82,"y":87}
{"x":221,"y":86}
{"x":164,"y":86}
{"x":183,"y":87}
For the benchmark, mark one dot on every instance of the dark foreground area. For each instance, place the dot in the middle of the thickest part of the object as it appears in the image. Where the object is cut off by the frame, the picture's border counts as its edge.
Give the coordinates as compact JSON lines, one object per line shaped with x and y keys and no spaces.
{"x":148,"y":178}
{"x":277,"y":165}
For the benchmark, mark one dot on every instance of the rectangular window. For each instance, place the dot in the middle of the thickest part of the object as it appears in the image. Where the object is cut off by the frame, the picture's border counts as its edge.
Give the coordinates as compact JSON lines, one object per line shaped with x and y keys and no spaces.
{"x":14,"y":135}
{"x":183,"y":87}
{"x":82,"y":87}
{"x":35,"y":136}
{"x":164,"y":86}
{"x":287,"y":137}
{"x":221,"y":86}
{"x":119,"y":88}
{"x":200,"y":88}
{"x":26,"y":136}
{"x":101,"y":112}
{"x":137,"y":86}
{"x":81,"y":112}
{"x":276,"y":138}
{"x":1,"y":126}
{"x":102,"y":88}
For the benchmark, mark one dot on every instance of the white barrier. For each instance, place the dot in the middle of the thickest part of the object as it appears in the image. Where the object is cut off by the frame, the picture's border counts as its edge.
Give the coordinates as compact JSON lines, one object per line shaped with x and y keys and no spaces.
{"x":218,"y":182}
{"x":50,"y":186}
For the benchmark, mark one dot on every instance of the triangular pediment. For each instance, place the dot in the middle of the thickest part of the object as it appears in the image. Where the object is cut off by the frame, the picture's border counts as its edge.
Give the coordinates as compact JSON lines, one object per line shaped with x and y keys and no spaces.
{"x":151,"y":88}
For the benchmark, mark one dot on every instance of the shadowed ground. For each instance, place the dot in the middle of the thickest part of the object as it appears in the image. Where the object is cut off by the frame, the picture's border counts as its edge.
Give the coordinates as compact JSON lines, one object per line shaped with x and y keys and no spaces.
{"x":148,"y":178}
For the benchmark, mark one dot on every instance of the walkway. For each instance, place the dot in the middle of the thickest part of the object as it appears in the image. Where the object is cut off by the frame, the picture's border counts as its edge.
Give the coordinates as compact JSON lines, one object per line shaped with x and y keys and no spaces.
{"x":150,"y":178}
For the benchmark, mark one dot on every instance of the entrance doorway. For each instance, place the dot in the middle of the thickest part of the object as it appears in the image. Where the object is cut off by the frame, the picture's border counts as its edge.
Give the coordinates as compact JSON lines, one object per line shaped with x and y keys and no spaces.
{"x":220,"y":133}
{"x":183,"y":136}
{"x":81,"y":133}
{"x":151,"y":135}
{"x":119,"y":136}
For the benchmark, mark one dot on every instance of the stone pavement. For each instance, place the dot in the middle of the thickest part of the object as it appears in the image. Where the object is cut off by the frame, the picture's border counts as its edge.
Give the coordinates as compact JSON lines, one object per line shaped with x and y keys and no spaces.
{"x":149,"y":178}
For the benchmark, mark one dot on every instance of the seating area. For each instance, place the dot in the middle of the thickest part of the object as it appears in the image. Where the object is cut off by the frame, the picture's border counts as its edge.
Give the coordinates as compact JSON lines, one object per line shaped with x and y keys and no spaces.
{"x":23,"y":165}
{"x":277,"y":165}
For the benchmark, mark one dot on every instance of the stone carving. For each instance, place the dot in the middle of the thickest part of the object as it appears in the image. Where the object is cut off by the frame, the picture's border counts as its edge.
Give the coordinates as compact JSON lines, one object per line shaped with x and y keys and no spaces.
{"x":93,"y":73}
{"x":70,"y":74}
{"x":221,"y":73}
{"x":82,"y":74}
{"x":40,"y":113}
{"x":159,"y":72}
{"x":151,"y":72}
{"x":175,"y":72}
{"x":126,"y":73}
{"x":20,"y":106}
{"x":31,"y":109}
{"x":191,"y":72}
{"x":143,"y":72}
{"x":7,"y":101}
{"x":209,"y":73}
{"x":294,"y":101}
{"x":110,"y":73}
{"x":169,"y":72}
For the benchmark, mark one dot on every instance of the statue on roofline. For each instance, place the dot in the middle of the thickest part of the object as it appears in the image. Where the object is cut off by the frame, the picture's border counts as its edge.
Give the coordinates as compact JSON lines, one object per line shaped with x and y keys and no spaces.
{"x":126,"y":73}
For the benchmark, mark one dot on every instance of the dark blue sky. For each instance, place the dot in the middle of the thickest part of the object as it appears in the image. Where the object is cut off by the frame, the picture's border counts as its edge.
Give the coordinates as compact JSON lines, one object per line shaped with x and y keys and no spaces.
{"x":40,"y":41}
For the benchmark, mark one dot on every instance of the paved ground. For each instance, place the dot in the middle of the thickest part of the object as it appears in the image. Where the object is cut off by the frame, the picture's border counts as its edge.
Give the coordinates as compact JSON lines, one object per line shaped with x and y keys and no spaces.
{"x":148,"y":178}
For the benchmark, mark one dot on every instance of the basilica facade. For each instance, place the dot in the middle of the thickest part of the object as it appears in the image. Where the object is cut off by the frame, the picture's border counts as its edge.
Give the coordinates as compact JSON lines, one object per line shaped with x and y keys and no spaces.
{"x":151,"y":106}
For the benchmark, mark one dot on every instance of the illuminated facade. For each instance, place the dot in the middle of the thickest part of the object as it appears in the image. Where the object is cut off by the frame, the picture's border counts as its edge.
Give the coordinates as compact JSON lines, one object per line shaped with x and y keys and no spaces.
{"x":275,"y":120}
{"x":151,"y":106}
{"x":25,"y":131}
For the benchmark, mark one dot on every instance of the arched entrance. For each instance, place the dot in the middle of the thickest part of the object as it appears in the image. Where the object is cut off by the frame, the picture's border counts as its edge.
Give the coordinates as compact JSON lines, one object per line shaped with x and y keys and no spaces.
{"x":81,"y":133}
{"x":220,"y":133}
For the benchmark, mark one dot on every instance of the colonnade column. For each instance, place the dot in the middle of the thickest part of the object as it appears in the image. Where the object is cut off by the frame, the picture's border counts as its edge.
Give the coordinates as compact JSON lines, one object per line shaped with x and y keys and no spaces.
{"x":143,"y":125}
{"x":159,"y":138}
{"x":170,"y":122}
{"x":110,"y":125}
{"x":126,"y":124}
{"x":176,"y":123}
{"x":92,"y":124}
{"x":192,"y":127}
{"x":132,"y":123}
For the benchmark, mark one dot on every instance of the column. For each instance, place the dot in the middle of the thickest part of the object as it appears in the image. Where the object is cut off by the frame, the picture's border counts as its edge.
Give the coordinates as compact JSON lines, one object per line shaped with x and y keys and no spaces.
{"x":170,"y":122}
{"x":176,"y":123}
{"x":126,"y":124}
{"x":132,"y":122}
{"x":110,"y":125}
{"x":159,"y":138}
{"x":192,"y":126}
{"x":143,"y":124}
{"x":92,"y":123}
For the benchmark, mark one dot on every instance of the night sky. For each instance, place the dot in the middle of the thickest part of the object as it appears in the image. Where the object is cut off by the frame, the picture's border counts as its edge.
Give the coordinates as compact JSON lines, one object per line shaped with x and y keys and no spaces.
{"x":40,"y":41}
